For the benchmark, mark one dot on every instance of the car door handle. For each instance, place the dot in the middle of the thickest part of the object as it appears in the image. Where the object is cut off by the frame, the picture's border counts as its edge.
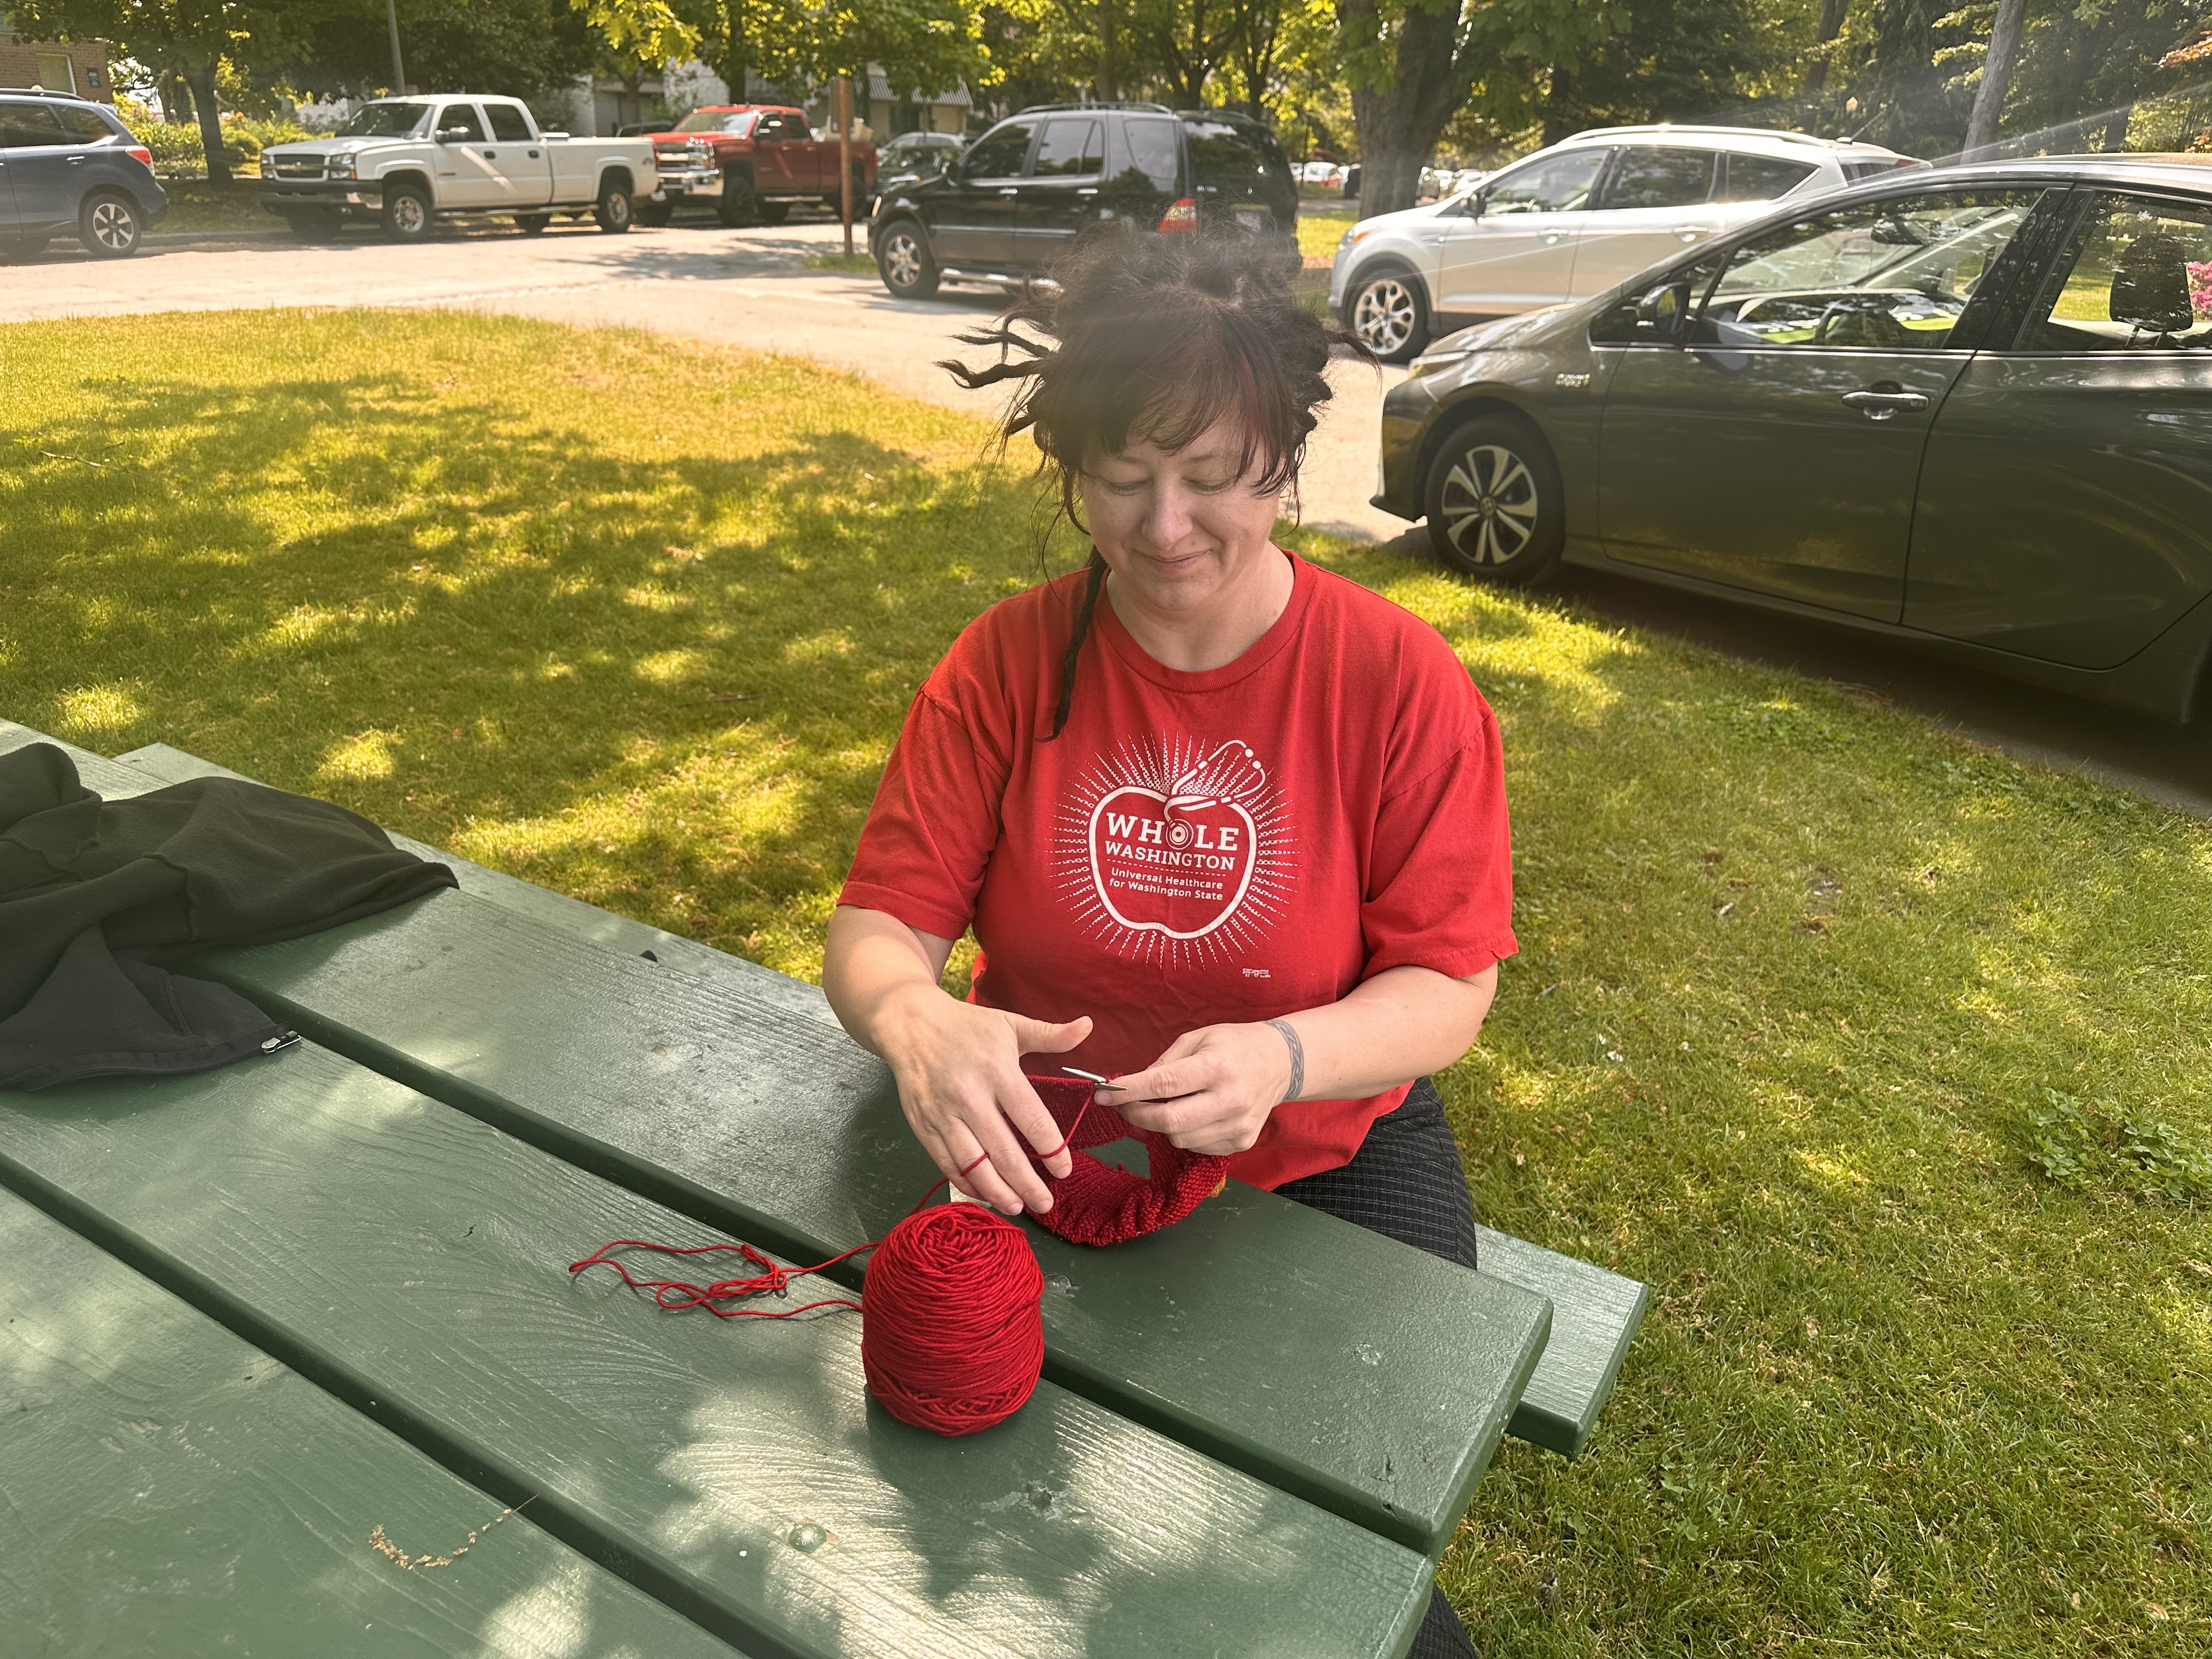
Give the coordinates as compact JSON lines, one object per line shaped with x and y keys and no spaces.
{"x":1010,"y":191}
{"x":1692,"y":233}
{"x":1552,"y":236}
{"x":1088,"y":190}
{"x":491,"y":155}
{"x":533,"y":154}
{"x":1880,"y":403}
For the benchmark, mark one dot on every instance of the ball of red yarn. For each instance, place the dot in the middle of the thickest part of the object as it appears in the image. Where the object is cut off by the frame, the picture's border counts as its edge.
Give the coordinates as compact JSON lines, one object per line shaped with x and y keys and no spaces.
{"x":951,"y":1338}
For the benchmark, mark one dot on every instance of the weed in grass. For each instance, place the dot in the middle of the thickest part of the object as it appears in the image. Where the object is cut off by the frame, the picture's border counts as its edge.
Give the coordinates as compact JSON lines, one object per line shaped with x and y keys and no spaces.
{"x":2083,"y":1145}
{"x":639,"y":620}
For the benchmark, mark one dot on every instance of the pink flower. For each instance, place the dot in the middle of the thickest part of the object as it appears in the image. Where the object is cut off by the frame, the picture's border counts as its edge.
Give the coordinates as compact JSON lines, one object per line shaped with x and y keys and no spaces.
{"x":2200,"y":286}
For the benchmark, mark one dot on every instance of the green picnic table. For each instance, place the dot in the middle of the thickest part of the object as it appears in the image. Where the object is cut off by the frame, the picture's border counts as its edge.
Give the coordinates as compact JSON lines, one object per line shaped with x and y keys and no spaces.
{"x":293,"y":1363}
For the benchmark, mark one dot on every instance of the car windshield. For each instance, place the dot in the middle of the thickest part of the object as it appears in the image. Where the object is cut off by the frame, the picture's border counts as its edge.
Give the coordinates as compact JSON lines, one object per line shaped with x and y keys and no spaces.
{"x":385,"y":121}
{"x":709,"y":120}
{"x":912,"y":153}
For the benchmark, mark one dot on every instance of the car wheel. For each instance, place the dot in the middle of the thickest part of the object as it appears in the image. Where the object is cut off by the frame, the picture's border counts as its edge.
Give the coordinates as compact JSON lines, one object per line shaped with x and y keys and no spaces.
{"x":1389,"y":313}
{"x":614,"y":209}
{"x":407,"y":213}
{"x":109,"y":227}
{"x":904,"y":261}
{"x":655,"y":213}
{"x":1495,"y":507}
{"x":738,"y":207}
{"x":773,"y":213}
{"x":312,"y":224}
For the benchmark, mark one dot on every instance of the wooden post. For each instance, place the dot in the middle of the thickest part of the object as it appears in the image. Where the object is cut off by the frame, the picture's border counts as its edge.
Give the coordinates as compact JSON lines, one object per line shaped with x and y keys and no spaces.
{"x":845,"y":157}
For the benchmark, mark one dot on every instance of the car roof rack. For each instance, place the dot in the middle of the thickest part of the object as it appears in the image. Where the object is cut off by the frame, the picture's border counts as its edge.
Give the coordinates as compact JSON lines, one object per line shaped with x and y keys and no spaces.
{"x":1103,"y":103}
{"x":1733,"y":132}
{"x":48,"y":92}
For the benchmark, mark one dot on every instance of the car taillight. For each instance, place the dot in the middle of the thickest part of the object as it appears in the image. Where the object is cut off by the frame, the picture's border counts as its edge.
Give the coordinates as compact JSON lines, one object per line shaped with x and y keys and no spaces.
{"x":140,"y":153}
{"x":1183,"y":216}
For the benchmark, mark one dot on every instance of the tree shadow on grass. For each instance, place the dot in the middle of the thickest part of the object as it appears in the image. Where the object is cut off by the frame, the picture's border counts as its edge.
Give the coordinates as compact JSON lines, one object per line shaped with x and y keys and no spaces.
{"x":664,"y":681}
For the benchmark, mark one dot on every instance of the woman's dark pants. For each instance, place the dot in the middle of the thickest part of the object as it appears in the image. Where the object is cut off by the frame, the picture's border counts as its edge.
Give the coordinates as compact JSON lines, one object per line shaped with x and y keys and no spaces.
{"x":1406,"y":1181}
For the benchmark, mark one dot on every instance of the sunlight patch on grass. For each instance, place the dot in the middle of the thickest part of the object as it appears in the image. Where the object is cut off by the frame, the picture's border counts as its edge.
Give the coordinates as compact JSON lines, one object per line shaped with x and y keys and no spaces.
{"x":367,"y":759}
{"x":97,"y":715}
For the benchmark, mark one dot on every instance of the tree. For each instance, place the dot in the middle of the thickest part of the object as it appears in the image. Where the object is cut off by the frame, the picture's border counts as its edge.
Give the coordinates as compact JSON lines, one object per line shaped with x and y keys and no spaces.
{"x":1411,"y":65}
{"x":2011,"y":22}
{"x":525,"y":49}
{"x":928,"y":45}
{"x":188,"y":38}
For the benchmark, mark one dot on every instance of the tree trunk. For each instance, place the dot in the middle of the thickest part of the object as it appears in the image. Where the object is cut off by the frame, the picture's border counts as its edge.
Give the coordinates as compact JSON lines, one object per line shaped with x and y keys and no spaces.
{"x":2115,"y":129}
{"x":1833,"y":13}
{"x":1560,"y":121}
{"x":202,"y":79}
{"x":730,"y":59}
{"x":1996,"y":78}
{"x":1108,"y":77}
{"x":1399,"y":128}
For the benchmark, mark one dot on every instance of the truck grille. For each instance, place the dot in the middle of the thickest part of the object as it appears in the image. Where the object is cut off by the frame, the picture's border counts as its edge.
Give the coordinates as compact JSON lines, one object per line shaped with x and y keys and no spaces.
{"x":296,"y":167}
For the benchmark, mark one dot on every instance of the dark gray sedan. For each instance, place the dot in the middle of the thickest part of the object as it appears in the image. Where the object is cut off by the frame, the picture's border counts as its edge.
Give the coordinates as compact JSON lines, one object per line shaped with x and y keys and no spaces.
{"x":1968,"y":409}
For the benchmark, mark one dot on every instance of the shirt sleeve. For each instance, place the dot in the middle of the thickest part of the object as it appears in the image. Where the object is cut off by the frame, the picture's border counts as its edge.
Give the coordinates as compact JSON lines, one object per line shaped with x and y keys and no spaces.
{"x":1440,"y":871}
{"x":935,"y":822}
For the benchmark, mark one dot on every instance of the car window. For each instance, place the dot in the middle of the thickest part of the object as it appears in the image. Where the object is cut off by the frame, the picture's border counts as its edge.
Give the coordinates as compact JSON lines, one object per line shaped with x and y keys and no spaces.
{"x":1153,"y":152}
{"x":1658,"y":176}
{"x":25,"y":124}
{"x":1892,"y":275}
{"x":384,"y":121}
{"x":1871,"y":167}
{"x":1231,"y":157}
{"x":508,"y":124}
{"x":1657,"y":309}
{"x":2136,"y":277}
{"x":85,"y":125}
{"x":1070,"y":148}
{"x":999,"y":152}
{"x":460,"y":119}
{"x":1761,"y":178}
{"x":1556,"y":183}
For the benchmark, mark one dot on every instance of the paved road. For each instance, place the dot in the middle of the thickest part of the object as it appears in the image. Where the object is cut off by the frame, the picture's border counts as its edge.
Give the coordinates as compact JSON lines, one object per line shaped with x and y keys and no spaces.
{"x":752,"y":287}
{"x":746,"y":287}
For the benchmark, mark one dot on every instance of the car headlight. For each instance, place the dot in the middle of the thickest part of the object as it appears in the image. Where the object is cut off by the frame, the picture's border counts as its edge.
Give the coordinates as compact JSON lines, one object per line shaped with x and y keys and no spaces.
{"x":342,"y":167}
{"x":1353,"y":235}
{"x":1429,"y":362}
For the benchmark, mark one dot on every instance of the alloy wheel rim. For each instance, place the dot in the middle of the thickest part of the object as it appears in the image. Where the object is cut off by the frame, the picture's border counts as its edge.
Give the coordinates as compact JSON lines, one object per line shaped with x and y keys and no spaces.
{"x":618,"y":209}
{"x":1490,"y":505}
{"x":1383,"y":316}
{"x":903,"y":260}
{"x":407,"y":213}
{"x":112,"y":225}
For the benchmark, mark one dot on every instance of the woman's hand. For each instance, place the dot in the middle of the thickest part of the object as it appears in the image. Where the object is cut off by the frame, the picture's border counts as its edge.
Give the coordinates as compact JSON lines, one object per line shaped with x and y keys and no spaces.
{"x":1212,"y":1091}
{"x":960,"y":1083}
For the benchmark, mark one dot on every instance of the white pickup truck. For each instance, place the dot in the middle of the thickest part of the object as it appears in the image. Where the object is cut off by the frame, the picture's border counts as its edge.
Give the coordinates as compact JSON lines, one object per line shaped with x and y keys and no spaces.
{"x":409,"y":161}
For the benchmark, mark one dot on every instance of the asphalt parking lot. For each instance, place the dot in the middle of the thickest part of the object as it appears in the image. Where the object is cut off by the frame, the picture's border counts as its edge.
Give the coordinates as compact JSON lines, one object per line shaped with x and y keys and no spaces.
{"x":754,"y":288}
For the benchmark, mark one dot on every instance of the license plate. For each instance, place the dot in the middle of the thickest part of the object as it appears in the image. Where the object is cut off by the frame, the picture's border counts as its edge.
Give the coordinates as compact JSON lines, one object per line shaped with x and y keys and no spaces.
{"x":1255,"y":218}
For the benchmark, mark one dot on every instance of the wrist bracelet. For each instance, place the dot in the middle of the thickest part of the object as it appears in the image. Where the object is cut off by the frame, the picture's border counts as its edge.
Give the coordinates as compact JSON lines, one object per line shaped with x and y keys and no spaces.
{"x":1290,"y":1035}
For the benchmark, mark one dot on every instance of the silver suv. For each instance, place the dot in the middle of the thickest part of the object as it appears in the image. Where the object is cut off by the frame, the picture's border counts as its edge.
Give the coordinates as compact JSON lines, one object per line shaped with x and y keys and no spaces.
{"x":1572,"y":221}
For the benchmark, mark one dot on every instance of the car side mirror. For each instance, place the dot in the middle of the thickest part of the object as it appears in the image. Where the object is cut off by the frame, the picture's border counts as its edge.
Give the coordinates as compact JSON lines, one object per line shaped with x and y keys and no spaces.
{"x":1662,"y":312}
{"x":453,"y":135}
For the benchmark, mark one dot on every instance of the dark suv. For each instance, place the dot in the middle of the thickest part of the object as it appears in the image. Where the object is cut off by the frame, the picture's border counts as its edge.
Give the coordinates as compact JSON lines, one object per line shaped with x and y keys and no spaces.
{"x":70,"y":167}
{"x":1003,"y":208}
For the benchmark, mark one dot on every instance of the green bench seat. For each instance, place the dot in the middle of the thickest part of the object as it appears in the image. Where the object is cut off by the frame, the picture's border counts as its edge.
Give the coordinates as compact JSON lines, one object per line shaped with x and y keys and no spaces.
{"x":171,"y":1489}
{"x":410,"y":1259}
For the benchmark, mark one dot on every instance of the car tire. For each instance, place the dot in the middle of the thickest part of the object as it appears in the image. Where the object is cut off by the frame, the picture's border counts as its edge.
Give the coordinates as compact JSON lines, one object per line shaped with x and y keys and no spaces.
{"x":1495,"y":507}
{"x":313,"y":224}
{"x":1388,"y":310}
{"x":738,"y":207}
{"x":655,"y":215}
{"x":904,"y":261}
{"x":407,"y":214}
{"x":616,"y":210}
{"x":109,"y":226}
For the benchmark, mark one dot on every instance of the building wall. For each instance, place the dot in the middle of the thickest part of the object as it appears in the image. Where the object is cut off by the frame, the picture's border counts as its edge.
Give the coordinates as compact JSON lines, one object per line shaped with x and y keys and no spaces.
{"x":34,"y":62}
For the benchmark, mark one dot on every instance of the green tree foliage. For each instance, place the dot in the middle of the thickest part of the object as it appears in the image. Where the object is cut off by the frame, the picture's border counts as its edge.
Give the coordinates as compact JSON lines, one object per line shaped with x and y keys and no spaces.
{"x":1664,"y":62}
{"x":521,"y":48}
{"x":927,"y":46}
{"x":187,"y":39}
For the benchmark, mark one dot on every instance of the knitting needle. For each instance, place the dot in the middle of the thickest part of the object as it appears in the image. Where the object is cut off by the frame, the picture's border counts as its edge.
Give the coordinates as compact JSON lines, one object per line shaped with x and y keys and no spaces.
{"x":1092,"y":1077}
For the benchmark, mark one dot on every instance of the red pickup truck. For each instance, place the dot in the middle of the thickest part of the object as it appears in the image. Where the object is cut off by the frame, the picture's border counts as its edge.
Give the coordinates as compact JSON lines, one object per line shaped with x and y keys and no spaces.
{"x":750,"y":162}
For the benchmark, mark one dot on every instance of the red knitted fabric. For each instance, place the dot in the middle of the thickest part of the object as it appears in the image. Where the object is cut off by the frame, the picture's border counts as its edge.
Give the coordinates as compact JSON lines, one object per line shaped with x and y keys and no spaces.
{"x":1097,"y":1205}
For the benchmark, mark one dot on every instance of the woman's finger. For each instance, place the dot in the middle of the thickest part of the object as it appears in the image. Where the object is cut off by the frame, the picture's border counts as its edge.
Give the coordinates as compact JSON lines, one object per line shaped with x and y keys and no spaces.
{"x":1043,"y":1036}
{"x":978,"y":1171}
{"x":1034,"y":1118}
{"x":985,"y":1121}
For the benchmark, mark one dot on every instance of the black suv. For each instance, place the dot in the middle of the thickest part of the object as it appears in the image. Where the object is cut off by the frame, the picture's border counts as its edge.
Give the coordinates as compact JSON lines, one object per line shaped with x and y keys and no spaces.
{"x":70,"y":167}
{"x":1002,"y":210}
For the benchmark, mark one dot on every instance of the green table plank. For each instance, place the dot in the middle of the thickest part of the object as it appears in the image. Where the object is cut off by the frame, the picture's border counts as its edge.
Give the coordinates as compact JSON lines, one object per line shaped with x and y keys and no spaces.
{"x":1371,"y":1379}
{"x":410,"y":1258}
{"x":171,"y":1489}
{"x":1594,"y":1313}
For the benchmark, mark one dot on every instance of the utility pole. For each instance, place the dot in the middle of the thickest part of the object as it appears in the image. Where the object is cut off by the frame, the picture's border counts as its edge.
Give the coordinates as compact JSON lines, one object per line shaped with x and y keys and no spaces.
{"x":844,"y":95}
{"x":398,"y":69}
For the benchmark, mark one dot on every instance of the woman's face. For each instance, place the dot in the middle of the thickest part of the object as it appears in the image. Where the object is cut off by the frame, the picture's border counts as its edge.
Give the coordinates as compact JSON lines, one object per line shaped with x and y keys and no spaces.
{"x":1179,"y":530}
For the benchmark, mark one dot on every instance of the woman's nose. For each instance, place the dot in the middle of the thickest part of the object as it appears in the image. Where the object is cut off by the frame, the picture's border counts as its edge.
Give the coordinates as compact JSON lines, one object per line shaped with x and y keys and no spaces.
{"x":1169,"y":519}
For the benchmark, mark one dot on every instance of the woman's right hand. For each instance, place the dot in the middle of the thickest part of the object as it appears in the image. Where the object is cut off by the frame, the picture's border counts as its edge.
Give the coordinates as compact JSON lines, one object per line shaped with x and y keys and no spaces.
{"x":959,"y":1071}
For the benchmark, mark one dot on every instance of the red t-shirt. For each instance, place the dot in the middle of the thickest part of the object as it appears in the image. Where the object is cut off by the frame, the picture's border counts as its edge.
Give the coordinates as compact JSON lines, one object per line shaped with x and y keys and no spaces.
{"x":1199,"y":848}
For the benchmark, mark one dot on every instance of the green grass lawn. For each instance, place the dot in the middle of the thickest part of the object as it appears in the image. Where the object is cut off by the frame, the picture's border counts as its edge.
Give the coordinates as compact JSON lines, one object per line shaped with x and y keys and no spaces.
{"x":1322,"y":225}
{"x":197,"y":205}
{"x":638,"y":620}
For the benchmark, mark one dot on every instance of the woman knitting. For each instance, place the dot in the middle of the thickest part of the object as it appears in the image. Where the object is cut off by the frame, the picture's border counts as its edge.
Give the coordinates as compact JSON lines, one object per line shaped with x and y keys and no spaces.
{"x":1229,"y":830}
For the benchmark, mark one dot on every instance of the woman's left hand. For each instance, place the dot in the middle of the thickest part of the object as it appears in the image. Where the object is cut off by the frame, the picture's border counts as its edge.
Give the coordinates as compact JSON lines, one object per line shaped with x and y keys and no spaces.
{"x":1212,"y":1091}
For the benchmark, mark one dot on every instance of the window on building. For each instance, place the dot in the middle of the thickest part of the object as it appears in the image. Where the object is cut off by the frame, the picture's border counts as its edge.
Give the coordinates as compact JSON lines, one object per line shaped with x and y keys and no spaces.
{"x":56,"y":72}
